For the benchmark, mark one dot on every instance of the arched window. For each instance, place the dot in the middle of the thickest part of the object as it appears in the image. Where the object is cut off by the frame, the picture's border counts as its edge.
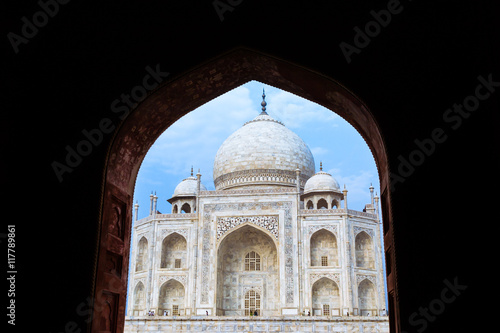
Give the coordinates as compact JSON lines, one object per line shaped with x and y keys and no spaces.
{"x":252,"y":261}
{"x":310,"y":205}
{"x":322,"y":204}
{"x":186,"y":208}
{"x":335,"y":204}
{"x":175,"y":209}
{"x":142,"y":255}
{"x":365,"y":256}
{"x":252,"y":303}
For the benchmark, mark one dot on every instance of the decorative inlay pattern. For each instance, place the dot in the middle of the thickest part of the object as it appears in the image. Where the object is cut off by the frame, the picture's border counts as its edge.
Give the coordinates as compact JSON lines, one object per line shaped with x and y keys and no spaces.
{"x":166,"y":232}
{"x":181,"y":278}
{"x":146,"y":234}
{"x":361,"y":277}
{"x":332,"y":228}
{"x":321,"y":211}
{"x":256,"y":176}
{"x":332,"y":276}
{"x":357,"y":230}
{"x":141,"y":280}
{"x":270,"y":223}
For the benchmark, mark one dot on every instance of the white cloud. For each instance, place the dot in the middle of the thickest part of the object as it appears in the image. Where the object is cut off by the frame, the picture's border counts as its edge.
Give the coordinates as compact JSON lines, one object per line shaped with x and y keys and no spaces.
{"x":318,"y":151}
{"x":194,"y":139}
{"x":297,"y":112}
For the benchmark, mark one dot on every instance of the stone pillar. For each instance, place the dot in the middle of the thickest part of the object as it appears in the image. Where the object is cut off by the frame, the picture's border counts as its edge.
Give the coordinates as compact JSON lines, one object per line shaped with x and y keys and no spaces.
{"x":154,"y":287}
{"x":198,"y":188}
{"x":136,"y":211}
{"x":371,"y":193}
{"x":151,"y":203}
{"x":345,"y":198}
{"x":300,"y":250}
{"x":155,"y":199}
{"x":376,"y":207}
{"x":297,"y":173}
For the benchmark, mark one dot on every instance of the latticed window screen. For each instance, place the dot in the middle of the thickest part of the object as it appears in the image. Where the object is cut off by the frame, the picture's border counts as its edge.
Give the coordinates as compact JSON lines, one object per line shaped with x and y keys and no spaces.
{"x":175,"y":310}
{"x":177,"y":263}
{"x":252,"y":262}
{"x":324,"y":261}
{"x":326,"y":310}
{"x":252,"y":303}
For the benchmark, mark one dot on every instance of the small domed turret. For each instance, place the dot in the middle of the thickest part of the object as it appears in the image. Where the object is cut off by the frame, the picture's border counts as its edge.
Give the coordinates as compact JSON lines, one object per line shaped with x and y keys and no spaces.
{"x":322,"y":191}
{"x":184,"y":198}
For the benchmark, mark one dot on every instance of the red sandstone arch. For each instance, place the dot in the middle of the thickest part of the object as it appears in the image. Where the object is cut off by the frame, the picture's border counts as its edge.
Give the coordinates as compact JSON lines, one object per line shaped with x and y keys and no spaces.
{"x":182,"y":94}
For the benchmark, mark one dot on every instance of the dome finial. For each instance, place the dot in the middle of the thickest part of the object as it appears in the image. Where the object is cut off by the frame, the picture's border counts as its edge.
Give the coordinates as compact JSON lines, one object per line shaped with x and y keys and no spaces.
{"x":320,"y":166}
{"x":263,"y":102}
{"x":191,"y":171}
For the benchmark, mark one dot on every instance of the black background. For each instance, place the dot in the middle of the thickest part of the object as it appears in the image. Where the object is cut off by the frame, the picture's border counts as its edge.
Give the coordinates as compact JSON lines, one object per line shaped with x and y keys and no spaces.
{"x":428,"y":58}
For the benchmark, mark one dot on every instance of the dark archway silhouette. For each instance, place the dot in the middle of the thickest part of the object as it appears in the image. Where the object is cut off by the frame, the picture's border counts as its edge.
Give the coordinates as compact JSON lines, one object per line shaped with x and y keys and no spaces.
{"x":184,"y":93}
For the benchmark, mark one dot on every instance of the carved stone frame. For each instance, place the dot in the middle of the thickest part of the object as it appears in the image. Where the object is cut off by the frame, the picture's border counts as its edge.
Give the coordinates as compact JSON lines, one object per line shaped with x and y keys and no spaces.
{"x":181,"y":94}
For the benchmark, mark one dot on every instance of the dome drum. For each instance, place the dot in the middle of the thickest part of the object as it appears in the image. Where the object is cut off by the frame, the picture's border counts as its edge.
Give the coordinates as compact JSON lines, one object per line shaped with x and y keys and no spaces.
{"x":252,"y":177}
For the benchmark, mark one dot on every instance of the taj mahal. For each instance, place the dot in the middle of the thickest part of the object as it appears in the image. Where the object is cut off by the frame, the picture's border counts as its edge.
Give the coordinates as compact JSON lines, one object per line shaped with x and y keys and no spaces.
{"x":274,"y":248}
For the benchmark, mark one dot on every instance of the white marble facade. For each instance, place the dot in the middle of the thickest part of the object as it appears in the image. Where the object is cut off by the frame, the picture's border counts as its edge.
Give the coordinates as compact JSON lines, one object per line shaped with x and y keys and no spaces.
{"x":274,"y":239}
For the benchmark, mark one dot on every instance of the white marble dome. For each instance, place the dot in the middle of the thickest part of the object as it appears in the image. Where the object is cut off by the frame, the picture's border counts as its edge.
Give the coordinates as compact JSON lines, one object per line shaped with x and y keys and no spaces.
{"x":321,"y":182}
{"x":187,"y":188}
{"x":264,"y":152}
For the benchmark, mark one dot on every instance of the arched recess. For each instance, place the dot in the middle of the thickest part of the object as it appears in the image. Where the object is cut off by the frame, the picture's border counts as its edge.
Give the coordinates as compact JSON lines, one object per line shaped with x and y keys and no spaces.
{"x":325,"y":298}
{"x":142,"y":255}
{"x":180,"y":94}
{"x":367,"y":298}
{"x":139,"y":307}
{"x":247,"y":242}
{"x":364,"y":250}
{"x":310,"y":205}
{"x":324,"y":250}
{"x":171,"y":298}
{"x":322,"y":204}
{"x":173,"y":252}
{"x":186,"y":208}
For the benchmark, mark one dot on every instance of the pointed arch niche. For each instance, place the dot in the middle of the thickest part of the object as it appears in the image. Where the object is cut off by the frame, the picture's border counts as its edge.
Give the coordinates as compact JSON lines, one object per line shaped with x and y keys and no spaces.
{"x":171,"y":298}
{"x":139,"y":300}
{"x":247,"y":259}
{"x":173,"y":248}
{"x":325,"y":298}
{"x":324,"y":250}
{"x":180,"y":94}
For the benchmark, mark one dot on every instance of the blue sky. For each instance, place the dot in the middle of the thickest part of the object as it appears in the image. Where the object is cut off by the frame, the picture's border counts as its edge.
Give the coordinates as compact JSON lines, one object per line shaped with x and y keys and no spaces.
{"x":195,"y":138}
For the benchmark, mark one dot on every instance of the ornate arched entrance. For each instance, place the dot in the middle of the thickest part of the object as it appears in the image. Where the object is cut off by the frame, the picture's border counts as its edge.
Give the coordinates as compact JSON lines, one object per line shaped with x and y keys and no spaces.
{"x":182,"y":94}
{"x":247,"y":273}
